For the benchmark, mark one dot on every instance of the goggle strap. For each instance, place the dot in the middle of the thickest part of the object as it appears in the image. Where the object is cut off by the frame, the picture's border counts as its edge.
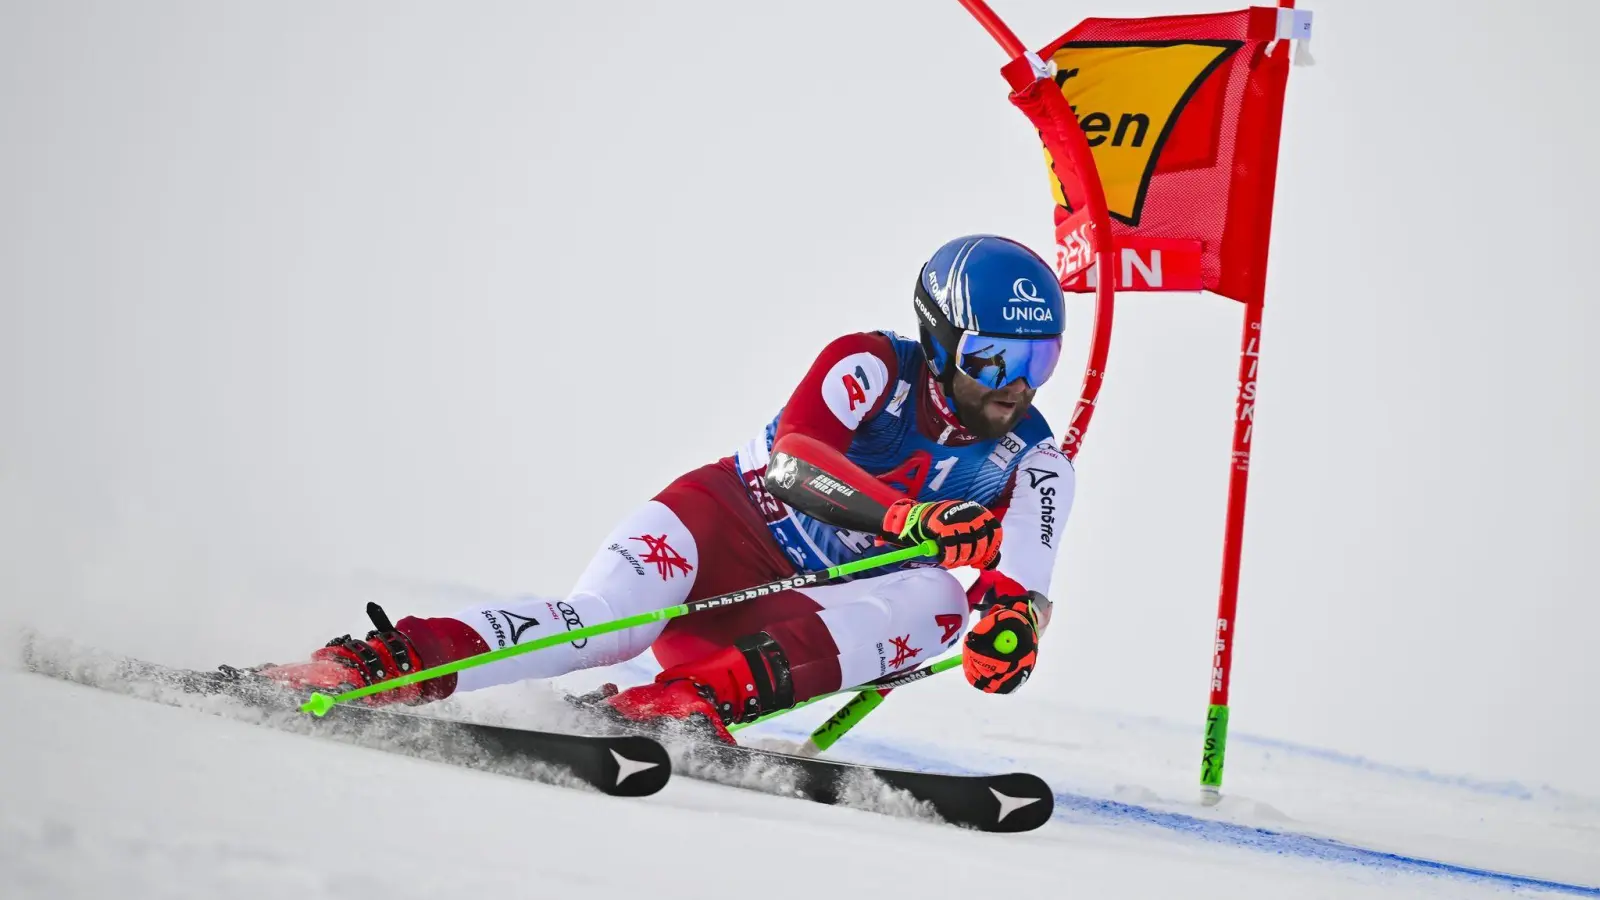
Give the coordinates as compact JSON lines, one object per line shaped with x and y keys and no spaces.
{"x":945,"y":333}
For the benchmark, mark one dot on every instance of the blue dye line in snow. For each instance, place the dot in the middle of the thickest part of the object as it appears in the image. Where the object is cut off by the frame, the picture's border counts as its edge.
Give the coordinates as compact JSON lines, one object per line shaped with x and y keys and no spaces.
{"x":1503,"y":788}
{"x":1511,"y":789}
{"x":1261,"y":839}
{"x":1319,"y":848}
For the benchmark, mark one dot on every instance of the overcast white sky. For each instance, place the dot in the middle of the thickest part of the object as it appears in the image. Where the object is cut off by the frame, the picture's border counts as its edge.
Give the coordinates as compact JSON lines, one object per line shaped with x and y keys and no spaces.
{"x":293,"y":295}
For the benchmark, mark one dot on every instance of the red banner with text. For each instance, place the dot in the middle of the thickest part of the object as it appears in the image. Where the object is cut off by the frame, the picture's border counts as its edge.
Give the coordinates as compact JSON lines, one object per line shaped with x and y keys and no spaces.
{"x":1182,"y":114}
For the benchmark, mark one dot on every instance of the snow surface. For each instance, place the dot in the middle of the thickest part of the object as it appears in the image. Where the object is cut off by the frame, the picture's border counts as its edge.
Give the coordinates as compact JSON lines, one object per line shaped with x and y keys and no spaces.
{"x":107,"y":793}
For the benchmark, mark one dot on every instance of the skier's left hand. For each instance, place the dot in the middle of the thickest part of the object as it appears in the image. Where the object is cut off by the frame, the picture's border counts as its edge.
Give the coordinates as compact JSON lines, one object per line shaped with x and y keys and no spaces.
{"x":1002,"y":647}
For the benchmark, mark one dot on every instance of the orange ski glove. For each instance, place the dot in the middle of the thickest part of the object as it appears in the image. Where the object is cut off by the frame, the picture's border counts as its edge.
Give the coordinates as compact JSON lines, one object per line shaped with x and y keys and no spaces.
{"x":966,"y":532}
{"x":1002,"y":647}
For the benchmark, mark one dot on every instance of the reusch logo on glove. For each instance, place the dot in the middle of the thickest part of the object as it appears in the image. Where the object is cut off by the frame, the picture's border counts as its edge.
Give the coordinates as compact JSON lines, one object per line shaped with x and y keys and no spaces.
{"x":953,"y":512}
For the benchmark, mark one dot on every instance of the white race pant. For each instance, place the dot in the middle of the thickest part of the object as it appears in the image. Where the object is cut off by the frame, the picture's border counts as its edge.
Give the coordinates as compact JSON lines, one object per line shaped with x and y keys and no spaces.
{"x":649,"y":561}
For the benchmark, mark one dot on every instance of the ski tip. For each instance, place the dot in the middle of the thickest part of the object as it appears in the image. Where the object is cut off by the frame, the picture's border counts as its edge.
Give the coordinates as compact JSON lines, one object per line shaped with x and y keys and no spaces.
{"x":1023,"y":802}
{"x":318,"y":704}
{"x":639,"y":767}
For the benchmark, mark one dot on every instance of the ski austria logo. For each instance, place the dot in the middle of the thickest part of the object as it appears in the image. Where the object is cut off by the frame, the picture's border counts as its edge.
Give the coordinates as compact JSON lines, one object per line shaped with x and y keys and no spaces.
{"x":1025,"y":292}
{"x":1129,"y":98}
{"x":903,"y":651}
{"x":668,"y":562}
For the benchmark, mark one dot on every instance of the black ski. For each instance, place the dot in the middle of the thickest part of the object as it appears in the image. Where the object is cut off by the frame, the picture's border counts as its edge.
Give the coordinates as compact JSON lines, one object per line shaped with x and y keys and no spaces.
{"x":623,"y":765}
{"x":1010,"y":802}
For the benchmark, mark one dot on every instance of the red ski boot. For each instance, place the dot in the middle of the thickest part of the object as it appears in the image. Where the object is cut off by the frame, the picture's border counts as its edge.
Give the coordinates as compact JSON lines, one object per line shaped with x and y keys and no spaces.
{"x":389,"y":651}
{"x":737,"y":684}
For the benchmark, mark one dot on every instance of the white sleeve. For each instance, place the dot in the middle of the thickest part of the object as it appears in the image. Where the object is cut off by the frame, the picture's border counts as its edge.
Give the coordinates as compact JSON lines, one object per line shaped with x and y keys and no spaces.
{"x":1041,"y":498}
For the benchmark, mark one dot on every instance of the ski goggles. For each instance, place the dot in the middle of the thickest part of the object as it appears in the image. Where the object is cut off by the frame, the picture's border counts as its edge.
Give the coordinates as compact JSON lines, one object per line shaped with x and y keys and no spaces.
{"x":995,"y":362}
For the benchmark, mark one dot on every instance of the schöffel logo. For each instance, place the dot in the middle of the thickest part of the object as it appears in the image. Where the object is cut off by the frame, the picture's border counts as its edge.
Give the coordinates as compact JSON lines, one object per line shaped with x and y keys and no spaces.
{"x":494,"y":623}
{"x":519,"y":624}
{"x":1128,"y":98}
{"x":1037,"y":477}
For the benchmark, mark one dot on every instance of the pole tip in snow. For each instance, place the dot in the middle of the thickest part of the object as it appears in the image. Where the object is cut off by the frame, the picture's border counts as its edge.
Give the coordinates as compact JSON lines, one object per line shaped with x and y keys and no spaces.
{"x":318,"y":704}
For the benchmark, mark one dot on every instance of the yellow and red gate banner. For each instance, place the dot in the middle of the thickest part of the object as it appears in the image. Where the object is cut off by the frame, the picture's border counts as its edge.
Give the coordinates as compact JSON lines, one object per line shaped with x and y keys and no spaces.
{"x":1182,"y":115}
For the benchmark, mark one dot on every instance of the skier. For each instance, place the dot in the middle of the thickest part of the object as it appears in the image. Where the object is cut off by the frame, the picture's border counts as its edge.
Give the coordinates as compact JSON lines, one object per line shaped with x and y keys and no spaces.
{"x":908,"y":440}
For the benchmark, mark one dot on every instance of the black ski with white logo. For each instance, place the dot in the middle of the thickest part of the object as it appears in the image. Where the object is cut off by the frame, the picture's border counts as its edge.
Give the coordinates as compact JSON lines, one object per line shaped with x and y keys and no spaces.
{"x":1011,"y":802}
{"x":623,"y":765}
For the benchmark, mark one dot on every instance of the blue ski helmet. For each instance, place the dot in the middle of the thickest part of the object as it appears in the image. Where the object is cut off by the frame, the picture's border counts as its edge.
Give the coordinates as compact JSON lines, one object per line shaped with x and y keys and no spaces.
{"x":991,"y":308}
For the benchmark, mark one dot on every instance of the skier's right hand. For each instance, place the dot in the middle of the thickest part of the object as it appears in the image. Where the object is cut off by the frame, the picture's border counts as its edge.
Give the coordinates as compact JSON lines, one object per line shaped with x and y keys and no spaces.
{"x":966,"y":532}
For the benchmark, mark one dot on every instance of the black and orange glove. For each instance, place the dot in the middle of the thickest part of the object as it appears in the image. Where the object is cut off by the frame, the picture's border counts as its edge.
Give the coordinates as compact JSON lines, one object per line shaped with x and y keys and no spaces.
{"x":966,"y":532}
{"x":1001,"y":649}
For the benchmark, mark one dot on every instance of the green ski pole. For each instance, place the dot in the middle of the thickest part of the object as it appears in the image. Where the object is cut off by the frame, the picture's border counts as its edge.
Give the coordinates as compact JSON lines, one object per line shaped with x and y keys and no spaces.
{"x":319,"y":703}
{"x":861,"y":705}
{"x":878,"y":688}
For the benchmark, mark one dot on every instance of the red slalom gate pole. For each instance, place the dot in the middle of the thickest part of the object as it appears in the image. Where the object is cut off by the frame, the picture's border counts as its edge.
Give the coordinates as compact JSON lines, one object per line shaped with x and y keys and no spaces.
{"x":1105,"y":256}
{"x":1214,"y":752}
{"x":997,"y":29}
{"x":1216,"y":741}
{"x":1099,"y":350}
